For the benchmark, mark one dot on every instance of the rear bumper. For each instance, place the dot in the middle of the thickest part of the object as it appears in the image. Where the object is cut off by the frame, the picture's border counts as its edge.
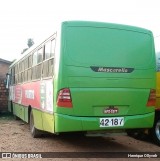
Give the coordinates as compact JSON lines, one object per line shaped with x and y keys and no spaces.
{"x":65,"y":123}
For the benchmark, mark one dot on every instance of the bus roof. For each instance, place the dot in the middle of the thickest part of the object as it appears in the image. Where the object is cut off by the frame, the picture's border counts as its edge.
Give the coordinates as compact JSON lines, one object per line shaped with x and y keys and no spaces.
{"x":84,"y":24}
{"x":104,"y":25}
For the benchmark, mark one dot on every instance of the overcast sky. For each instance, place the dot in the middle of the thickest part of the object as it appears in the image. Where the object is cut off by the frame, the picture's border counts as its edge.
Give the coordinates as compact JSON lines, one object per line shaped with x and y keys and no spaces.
{"x":23,"y":19}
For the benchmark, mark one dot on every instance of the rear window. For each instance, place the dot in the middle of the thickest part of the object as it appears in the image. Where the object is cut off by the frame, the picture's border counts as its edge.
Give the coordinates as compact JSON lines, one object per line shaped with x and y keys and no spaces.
{"x":88,"y":46}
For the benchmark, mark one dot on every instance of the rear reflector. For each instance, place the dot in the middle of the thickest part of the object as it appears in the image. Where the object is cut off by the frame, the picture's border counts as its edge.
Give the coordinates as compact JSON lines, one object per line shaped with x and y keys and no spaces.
{"x":64,"y":98}
{"x":152,"y":98}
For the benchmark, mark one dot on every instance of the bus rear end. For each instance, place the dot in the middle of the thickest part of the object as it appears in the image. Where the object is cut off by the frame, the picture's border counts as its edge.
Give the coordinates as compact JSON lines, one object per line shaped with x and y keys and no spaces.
{"x":106,"y":78}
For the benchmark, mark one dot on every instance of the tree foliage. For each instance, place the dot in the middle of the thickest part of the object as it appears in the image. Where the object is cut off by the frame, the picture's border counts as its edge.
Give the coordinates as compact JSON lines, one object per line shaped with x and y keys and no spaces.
{"x":30,"y":42}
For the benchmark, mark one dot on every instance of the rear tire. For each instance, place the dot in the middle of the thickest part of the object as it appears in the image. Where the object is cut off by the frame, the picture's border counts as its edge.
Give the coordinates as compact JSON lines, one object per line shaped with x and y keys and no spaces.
{"x":34,"y":132}
{"x":155,"y":131}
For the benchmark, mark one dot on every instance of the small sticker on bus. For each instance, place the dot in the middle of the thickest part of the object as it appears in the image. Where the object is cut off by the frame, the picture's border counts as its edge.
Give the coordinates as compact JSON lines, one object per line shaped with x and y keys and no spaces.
{"x":110,"y":110}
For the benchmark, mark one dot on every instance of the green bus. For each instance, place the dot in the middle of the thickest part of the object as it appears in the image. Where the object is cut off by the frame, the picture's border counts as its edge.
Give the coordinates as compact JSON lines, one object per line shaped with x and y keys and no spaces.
{"x":90,"y":77}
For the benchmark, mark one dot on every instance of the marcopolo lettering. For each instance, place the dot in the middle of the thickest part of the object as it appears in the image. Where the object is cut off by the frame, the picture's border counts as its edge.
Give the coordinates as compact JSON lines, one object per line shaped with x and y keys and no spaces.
{"x":112,"y":69}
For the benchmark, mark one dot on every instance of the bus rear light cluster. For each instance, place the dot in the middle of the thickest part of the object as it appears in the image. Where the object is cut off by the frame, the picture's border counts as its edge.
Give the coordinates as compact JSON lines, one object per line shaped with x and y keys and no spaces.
{"x":152,"y":98}
{"x":64,"y":98}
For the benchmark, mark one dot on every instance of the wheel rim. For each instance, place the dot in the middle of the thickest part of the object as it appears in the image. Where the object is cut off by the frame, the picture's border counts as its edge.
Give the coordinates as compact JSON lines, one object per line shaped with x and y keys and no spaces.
{"x":157,"y":129}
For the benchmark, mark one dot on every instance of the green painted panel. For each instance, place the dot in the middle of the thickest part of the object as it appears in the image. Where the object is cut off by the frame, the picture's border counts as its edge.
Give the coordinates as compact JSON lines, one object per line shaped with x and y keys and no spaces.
{"x":18,"y":110}
{"x":48,"y":122}
{"x":26,"y":114}
{"x":42,"y":120}
{"x":64,"y":123}
{"x":98,"y":46}
{"x":37,"y":119}
{"x":70,"y":123}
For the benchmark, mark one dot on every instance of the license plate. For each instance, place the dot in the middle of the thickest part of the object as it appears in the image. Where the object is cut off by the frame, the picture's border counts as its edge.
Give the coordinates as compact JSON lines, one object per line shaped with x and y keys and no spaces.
{"x":111,"y":122}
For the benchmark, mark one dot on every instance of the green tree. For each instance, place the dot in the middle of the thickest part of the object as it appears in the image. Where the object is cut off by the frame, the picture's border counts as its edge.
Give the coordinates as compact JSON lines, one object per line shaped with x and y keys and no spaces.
{"x":30,"y":42}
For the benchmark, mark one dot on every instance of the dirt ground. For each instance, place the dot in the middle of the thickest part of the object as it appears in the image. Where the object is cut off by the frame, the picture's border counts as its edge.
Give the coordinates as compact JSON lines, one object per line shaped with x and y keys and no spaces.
{"x":16,"y":137}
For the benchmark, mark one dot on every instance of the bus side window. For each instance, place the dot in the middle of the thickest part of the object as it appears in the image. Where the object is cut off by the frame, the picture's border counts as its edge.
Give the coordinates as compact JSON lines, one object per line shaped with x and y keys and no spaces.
{"x":23,"y":62}
{"x":48,"y":68}
{"x":18,"y":78}
{"x":25,"y":69}
{"x":22,"y":77}
{"x":45,"y":69}
{"x":29,"y":71}
{"x":30,"y":61}
{"x":25,"y":76}
{"x":20,"y":67}
{"x":13,"y":75}
{"x":53,"y":44}
{"x":16,"y":74}
{"x":34,"y":72}
{"x":40,"y":55}
{"x":29,"y":74}
{"x":26,"y":63}
{"x":38,"y":71}
{"x":51,"y":66}
{"x":37,"y":64}
{"x":35,"y":58}
{"x":47,"y":51}
{"x":48,"y":63}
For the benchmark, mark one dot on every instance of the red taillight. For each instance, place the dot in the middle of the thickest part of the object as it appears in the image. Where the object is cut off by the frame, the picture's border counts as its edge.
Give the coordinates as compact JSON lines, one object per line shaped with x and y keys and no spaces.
{"x":152,"y":98}
{"x":64,"y":98}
